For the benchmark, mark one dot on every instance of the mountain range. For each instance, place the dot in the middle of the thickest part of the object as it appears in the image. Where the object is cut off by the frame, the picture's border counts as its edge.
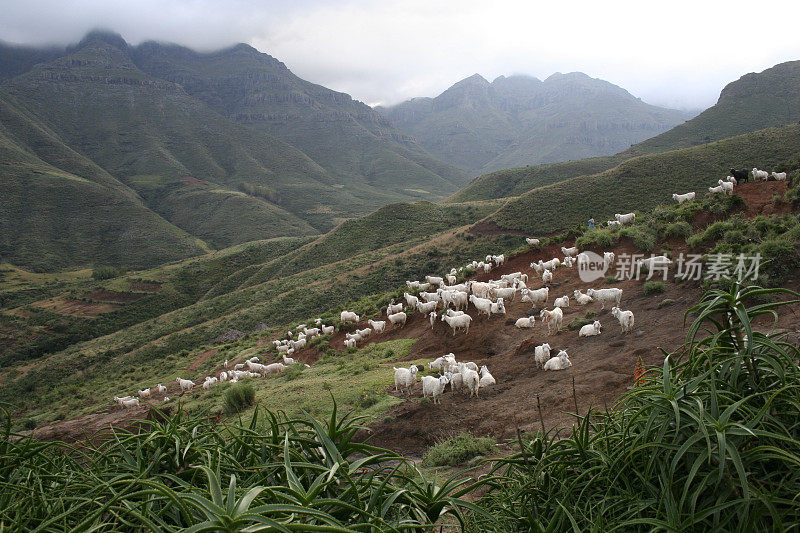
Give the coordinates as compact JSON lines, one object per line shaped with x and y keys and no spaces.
{"x":520,"y":120}
{"x":138,"y":155}
{"x":756,"y":101}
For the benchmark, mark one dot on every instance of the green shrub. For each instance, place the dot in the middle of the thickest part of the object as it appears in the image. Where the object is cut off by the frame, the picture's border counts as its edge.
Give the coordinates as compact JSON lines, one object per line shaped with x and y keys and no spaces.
{"x":457,"y":450}
{"x":238,"y":397}
{"x":680,"y":229}
{"x":578,"y":323}
{"x":367,"y":398}
{"x":106,"y":272}
{"x":653,"y":287}
{"x":713,"y":427}
{"x":602,"y":237}
{"x":665,"y":302}
{"x":643,"y":239}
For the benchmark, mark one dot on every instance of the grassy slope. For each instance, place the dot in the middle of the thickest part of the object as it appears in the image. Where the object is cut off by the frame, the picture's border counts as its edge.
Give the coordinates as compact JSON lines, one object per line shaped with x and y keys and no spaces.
{"x":135,"y":126}
{"x":753,"y":102}
{"x":641,"y":183}
{"x":517,"y":181}
{"x":142,"y":348}
{"x":51,"y":217}
{"x":372,"y":159}
{"x":390,"y":225}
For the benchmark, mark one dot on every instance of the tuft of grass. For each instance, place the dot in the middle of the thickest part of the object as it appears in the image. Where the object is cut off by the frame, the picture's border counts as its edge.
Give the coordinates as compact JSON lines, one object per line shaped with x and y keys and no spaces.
{"x":238,"y":397}
{"x":578,"y":323}
{"x":653,"y":287}
{"x":457,"y":450}
{"x":665,"y":302}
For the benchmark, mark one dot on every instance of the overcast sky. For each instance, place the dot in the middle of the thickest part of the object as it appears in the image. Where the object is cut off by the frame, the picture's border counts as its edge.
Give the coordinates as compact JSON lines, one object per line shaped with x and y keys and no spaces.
{"x":678,"y":53}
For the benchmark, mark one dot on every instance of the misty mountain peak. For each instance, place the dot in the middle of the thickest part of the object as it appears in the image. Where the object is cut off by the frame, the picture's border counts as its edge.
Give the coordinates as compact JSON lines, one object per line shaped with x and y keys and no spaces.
{"x":101,"y":36}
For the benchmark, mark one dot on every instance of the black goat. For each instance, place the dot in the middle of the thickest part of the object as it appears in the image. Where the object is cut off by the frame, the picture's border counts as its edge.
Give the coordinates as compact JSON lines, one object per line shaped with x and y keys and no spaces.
{"x":741,"y":175}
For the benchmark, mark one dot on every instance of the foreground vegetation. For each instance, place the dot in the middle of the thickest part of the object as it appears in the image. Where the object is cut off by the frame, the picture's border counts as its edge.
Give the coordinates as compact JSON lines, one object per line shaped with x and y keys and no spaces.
{"x":273,"y":473}
{"x":708,"y":442}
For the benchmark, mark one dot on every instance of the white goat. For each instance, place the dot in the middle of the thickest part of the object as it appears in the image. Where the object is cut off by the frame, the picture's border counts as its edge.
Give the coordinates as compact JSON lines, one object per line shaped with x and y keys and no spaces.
{"x":525,"y":322}
{"x":411,"y":300}
{"x":779,"y":176}
{"x":483,"y":305}
{"x":394,"y":308}
{"x":683,"y":197}
{"x":605,"y":296}
{"x":561,"y":302}
{"x":625,"y":319}
{"x":538,"y":296}
{"x":553,"y":319}
{"x":472,"y":381}
{"x":532,"y":242}
{"x":547,"y":276}
{"x":186,"y":384}
{"x":349,"y":316}
{"x":434,"y":387}
{"x":398,"y":318}
{"x":727,"y":185}
{"x":559,"y":362}
{"x":377,"y":325}
{"x":569,"y":252}
{"x":541,"y":354}
{"x":590,"y":330}
{"x":581,"y":298}
{"x":628,"y":218}
{"x":404,"y":378}
{"x":456,"y":322}
{"x":487,"y":379}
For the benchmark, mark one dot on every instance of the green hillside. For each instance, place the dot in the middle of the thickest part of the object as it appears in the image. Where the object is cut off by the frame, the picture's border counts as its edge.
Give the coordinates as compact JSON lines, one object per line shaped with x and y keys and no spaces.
{"x":74,"y":213}
{"x":201,"y":298}
{"x":361,"y":149}
{"x":517,"y":181}
{"x":753,"y":102}
{"x":520,"y":120}
{"x":190,"y":148}
{"x":643,"y":182}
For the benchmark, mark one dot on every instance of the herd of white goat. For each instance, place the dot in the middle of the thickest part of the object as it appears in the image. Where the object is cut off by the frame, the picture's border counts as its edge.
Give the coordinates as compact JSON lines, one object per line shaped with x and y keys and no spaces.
{"x":488,"y":299}
{"x":443,"y":294}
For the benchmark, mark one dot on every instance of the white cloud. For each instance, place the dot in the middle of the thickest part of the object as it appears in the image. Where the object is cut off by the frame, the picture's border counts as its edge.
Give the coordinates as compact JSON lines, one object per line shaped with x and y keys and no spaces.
{"x":679,"y":53}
